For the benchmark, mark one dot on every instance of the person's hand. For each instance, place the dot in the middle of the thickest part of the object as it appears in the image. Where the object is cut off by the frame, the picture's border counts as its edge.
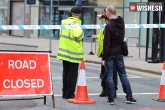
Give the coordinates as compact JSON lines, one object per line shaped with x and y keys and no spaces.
{"x":103,"y":62}
{"x":99,"y":16}
{"x":93,"y":37}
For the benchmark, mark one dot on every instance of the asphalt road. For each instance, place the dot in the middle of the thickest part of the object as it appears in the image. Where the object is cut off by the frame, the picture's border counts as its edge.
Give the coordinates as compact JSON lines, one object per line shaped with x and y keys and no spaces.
{"x":145,"y":88}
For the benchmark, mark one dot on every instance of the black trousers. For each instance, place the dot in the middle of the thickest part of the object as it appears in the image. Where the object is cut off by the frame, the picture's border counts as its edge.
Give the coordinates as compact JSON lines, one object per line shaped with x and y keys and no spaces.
{"x":70,"y":74}
{"x":104,"y":77}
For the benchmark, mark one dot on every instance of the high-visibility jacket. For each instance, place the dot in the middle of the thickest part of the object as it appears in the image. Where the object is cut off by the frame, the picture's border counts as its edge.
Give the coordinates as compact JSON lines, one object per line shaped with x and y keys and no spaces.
{"x":71,"y":42}
{"x":100,"y":38}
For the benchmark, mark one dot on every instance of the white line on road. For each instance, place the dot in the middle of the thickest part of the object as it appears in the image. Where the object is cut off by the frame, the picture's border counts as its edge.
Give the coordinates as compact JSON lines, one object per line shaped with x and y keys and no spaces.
{"x":94,"y":68}
{"x":94,"y":77}
{"x":86,"y":77}
{"x":129,"y":76}
{"x":97,"y":94}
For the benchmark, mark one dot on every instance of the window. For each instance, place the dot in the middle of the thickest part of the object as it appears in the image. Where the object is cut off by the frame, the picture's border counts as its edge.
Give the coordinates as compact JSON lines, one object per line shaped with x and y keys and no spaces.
{"x":88,"y":20}
{"x":105,"y":3}
{"x":132,"y":33}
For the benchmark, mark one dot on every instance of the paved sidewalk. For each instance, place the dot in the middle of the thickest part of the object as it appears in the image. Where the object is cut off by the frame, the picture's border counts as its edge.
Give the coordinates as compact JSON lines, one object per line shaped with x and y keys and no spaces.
{"x":43,"y":44}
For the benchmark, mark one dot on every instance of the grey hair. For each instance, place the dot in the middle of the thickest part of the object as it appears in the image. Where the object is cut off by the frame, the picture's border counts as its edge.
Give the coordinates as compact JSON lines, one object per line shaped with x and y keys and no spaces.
{"x":111,"y":9}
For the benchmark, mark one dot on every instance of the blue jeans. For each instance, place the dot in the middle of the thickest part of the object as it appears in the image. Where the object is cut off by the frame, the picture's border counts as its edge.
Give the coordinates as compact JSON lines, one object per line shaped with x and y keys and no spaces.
{"x":118,"y":61}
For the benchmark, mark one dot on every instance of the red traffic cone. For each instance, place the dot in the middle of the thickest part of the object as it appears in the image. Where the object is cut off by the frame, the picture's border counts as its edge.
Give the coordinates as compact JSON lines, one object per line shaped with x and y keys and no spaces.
{"x":81,"y":93}
{"x":161,"y":95}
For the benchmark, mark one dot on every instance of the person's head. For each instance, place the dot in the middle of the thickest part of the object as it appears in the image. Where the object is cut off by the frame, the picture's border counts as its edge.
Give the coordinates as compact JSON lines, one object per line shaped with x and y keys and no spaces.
{"x":110,"y":11}
{"x":76,"y":12}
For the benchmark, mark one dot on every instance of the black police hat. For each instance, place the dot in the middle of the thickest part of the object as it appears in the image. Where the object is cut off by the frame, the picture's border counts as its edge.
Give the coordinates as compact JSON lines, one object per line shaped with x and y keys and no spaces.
{"x":104,"y":11}
{"x":76,"y":10}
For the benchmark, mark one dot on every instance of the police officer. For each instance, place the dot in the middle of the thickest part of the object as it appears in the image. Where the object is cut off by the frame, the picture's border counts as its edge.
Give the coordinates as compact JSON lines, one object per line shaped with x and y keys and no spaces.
{"x":104,"y":70}
{"x":71,"y":52}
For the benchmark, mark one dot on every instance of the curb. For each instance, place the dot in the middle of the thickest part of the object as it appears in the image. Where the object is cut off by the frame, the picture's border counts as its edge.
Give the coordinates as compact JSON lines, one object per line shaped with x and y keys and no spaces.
{"x":19,"y":45}
{"x":127,"y":67}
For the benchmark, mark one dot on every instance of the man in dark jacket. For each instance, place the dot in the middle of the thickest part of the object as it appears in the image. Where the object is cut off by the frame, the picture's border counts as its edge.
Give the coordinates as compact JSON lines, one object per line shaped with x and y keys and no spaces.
{"x":104,"y":69}
{"x":113,"y":37}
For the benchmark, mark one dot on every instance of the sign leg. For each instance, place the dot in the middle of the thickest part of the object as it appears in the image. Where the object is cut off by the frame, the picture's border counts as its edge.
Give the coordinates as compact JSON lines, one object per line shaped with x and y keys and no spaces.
{"x":53,"y":101}
{"x":44,"y":100}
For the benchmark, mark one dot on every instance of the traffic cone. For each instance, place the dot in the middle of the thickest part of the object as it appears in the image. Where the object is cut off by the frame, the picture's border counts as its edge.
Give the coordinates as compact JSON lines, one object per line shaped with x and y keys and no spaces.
{"x":161,"y":95}
{"x":81,"y":93}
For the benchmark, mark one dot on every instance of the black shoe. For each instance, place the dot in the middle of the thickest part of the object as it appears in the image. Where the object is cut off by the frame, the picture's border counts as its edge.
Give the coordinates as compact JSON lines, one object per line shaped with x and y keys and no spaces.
{"x":131,"y":101}
{"x":68,"y":96}
{"x":71,"y":96}
{"x":111,"y":101}
{"x":103,"y":93}
{"x":64,"y":95}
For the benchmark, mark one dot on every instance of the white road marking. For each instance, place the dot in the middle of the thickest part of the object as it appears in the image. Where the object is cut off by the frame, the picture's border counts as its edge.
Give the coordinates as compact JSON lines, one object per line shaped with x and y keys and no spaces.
{"x":133,"y":76}
{"x":95,"y":77}
{"x":94,"y":68}
{"x":119,"y":94}
{"x":129,"y":76}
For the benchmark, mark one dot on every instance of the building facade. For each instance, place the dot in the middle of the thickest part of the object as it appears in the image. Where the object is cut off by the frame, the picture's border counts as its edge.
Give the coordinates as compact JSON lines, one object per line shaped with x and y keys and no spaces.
{"x":3,"y":14}
{"x":39,"y":14}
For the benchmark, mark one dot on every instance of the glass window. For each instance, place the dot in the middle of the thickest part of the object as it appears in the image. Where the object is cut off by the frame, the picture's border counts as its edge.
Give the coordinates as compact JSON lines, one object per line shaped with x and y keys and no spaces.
{"x":105,"y":3}
{"x":143,"y":31}
{"x":67,"y":2}
{"x":88,"y":2}
{"x":131,"y":33}
{"x":55,"y":2}
{"x":34,"y":20}
{"x":119,"y":12}
{"x":99,"y":21}
{"x":48,"y":2}
{"x":3,"y":18}
{"x":73,"y":2}
{"x":88,"y":19}
{"x":3,"y":14}
{"x":126,"y":2}
{"x":3,"y":2}
{"x":45,"y":20}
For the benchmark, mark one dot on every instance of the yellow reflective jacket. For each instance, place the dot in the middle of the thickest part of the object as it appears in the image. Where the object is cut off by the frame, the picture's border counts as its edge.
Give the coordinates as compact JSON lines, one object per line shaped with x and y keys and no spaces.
{"x":100,"y":38}
{"x":70,"y":43}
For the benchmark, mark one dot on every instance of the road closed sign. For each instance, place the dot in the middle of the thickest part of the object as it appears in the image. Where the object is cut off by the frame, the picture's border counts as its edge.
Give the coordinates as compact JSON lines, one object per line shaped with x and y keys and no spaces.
{"x":24,"y":73}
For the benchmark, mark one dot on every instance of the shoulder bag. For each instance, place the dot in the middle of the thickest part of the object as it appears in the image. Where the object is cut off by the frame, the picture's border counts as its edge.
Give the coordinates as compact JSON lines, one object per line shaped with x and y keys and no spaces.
{"x":124,"y":47}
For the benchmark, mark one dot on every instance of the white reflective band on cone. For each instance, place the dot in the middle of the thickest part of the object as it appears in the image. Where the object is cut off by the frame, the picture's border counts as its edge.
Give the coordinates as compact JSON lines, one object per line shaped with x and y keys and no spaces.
{"x":82,"y":78}
{"x":162,"y":82}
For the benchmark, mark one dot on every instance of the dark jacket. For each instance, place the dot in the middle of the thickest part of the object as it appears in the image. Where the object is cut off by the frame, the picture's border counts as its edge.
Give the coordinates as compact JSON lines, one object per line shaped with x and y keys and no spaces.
{"x":112,"y":43}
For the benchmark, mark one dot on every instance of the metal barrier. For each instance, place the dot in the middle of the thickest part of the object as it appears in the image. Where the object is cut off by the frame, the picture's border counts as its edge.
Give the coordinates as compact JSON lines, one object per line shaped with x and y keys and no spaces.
{"x":95,"y":46}
{"x":91,"y":52}
{"x":138,"y":42}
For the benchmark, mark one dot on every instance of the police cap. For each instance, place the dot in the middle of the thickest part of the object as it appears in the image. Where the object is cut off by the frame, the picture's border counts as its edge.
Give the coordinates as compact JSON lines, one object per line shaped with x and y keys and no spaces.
{"x":104,"y":11}
{"x":76,"y":10}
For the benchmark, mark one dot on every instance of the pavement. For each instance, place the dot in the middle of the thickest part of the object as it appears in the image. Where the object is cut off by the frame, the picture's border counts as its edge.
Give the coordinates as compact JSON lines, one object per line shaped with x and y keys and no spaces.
{"x":134,"y":61}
